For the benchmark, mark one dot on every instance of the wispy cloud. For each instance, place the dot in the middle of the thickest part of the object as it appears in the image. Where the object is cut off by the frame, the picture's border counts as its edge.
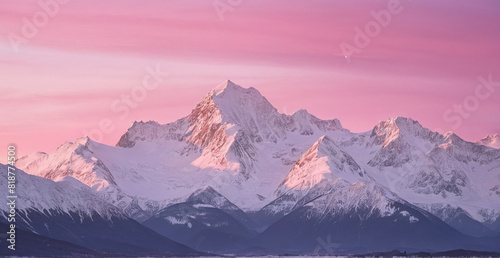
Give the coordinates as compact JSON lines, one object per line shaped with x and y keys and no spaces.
{"x":92,"y":51}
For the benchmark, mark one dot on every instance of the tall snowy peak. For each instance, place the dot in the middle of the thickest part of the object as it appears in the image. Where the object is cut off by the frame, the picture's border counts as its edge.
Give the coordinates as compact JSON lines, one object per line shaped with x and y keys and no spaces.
{"x":248,"y":109}
{"x":218,"y":137}
{"x":230,"y":106}
{"x":321,"y":168}
{"x":66,"y":196}
{"x":307,"y":124}
{"x":227,"y":127}
{"x":324,"y":160}
{"x":465,"y":151}
{"x":152,"y":131}
{"x":400,"y":140}
{"x":70,"y":159}
{"x":492,"y":141}
{"x":450,"y":171}
{"x":396,"y":128}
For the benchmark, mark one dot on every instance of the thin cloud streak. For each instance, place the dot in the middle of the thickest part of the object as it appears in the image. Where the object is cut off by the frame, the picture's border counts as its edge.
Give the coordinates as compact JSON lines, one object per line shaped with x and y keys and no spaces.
{"x":426,"y":60}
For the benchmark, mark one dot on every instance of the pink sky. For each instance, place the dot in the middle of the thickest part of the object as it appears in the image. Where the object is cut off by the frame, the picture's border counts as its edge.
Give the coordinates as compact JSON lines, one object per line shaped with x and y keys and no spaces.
{"x":64,"y":80}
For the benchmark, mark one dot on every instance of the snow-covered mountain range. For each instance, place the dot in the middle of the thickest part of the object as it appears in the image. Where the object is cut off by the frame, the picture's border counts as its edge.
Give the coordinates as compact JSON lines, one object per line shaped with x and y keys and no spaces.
{"x":70,"y":211}
{"x":491,"y":141}
{"x":235,"y":154}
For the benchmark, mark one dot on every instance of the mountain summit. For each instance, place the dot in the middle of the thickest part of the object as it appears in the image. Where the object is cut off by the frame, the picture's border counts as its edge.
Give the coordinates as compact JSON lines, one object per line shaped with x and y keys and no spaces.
{"x":226,"y":126}
{"x":491,"y":141}
{"x":235,"y":154}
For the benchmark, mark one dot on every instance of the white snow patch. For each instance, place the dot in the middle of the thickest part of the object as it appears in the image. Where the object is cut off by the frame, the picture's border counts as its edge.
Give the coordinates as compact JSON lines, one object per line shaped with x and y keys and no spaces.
{"x":176,"y":221}
{"x":202,"y":205}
